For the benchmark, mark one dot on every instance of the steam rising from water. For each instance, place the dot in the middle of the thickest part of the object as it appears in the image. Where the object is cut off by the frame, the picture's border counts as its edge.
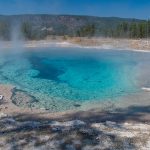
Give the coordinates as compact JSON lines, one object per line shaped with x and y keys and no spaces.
{"x":17,"y":39}
{"x":16,"y":42}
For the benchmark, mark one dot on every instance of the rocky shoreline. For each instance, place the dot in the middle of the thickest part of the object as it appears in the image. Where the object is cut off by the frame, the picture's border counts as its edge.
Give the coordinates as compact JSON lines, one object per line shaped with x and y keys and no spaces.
{"x":23,"y":128}
{"x":139,"y":45}
{"x":112,"y":43}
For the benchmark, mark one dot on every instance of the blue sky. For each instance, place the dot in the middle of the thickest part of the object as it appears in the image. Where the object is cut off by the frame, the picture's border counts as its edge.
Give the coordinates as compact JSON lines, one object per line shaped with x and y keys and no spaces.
{"x":103,"y":8}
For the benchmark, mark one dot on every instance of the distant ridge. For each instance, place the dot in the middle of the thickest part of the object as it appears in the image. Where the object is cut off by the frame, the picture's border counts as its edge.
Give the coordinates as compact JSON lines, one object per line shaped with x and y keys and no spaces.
{"x":42,"y":25}
{"x":4,"y":15}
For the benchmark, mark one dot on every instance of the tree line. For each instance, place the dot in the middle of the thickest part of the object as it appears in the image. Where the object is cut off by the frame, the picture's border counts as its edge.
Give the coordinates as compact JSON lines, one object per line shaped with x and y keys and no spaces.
{"x":132,"y":30}
{"x":121,"y":30}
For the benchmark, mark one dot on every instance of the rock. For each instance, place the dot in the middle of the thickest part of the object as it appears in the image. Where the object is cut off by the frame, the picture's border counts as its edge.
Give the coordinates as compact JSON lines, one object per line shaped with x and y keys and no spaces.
{"x":2,"y":115}
{"x":99,"y":126}
{"x":66,"y":130}
{"x":88,"y":131}
{"x":104,"y":141}
{"x":30,"y":124}
{"x":9,"y":123}
{"x":9,"y":120}
{"x":97,"y":147}
{"x":56,"y":129}
{"x":76,"y":123}
{"x":21,"y":98}
{"x":70,"y":147}
{"x":68,"y":123}
{"x":55,"y":123}
{"x":61,"y":141}
{"x":44,"y":137}
{"x":77,"y":144}
{"x":111,"y":124}
{"x":66,"y":126}
{"x":50,"y":145}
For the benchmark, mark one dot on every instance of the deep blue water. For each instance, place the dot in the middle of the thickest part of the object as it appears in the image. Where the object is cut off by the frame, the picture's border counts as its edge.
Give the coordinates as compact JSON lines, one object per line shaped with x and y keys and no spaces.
{"x":61,"y":77}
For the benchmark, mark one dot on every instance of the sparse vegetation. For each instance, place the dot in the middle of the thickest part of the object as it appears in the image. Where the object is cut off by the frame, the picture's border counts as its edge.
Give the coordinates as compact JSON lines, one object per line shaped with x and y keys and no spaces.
{"x":41,"y":26}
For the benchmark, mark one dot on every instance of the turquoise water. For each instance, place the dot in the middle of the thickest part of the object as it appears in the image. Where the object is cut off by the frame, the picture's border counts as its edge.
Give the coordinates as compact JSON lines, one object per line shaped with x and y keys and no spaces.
{"x":64,"y":78}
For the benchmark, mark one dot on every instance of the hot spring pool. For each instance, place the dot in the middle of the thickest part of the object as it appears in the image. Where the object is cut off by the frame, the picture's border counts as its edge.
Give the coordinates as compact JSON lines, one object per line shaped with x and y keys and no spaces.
{"x":65,"y":78}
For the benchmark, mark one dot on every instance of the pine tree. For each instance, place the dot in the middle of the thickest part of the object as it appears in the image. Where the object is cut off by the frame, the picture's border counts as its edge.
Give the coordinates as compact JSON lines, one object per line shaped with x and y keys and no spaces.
{"x":27,"y":30}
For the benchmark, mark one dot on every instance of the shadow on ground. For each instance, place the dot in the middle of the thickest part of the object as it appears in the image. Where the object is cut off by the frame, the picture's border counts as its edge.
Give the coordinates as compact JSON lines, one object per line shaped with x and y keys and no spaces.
{"x":24,"y":131}
{"x":132,"y":113}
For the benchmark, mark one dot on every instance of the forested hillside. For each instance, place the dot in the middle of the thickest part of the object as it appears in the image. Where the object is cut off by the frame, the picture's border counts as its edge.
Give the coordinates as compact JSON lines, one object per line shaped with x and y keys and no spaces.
{"x":41,"y":26}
